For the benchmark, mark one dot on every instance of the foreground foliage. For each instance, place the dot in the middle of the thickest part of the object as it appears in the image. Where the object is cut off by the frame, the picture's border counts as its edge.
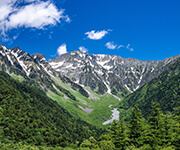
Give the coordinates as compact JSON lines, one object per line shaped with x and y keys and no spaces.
{"x":158,"y":132}
{"x":29,"y":116}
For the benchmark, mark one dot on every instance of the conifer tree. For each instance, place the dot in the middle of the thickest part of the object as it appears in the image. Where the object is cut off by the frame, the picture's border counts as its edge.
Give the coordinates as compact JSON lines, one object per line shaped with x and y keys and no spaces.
{"x":136,"y":127}
{"x":155,"y":122}
{"x":176,"y":137}
{"x":114,"y":133}
{"x":122,"y":135}
{"x":167,"y":130}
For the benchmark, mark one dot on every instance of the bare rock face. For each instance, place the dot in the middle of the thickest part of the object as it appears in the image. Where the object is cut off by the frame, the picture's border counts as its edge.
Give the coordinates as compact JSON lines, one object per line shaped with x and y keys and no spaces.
{"x":36,"y":70}
{"x":108,"y":73}
{"x":101,"y":73}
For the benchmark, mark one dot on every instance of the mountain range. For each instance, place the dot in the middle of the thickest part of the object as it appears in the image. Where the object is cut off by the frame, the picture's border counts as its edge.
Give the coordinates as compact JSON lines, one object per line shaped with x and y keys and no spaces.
{"x":80,"y":82}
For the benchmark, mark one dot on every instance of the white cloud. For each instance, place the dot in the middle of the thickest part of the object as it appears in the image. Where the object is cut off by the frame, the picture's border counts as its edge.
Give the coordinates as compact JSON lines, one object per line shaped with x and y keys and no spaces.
{"x":29,"y":1}
{"x":93,"y":35}
{"x":83,"y":49}
{"x":34,"y":14}
{"x":67,"y":19}
{"x":62,"y":49}
{"x":6,"y":8}
{"x":111,"y":45}
{"x":120,"y":46}
{"x":15,"y":37}
{"x":129,"y":48}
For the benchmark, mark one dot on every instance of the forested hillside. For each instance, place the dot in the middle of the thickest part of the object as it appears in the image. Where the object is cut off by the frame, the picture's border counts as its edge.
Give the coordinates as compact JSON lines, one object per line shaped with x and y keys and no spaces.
{"x":158,"y":132}
{"x":165,"y":89}
{"x":29,"y":116}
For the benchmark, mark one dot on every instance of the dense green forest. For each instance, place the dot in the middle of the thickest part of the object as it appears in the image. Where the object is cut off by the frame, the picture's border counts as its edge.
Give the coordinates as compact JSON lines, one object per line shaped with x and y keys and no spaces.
{"x":165,"y":89}
{"x":158,"y":132}
{"x":28,"y":116}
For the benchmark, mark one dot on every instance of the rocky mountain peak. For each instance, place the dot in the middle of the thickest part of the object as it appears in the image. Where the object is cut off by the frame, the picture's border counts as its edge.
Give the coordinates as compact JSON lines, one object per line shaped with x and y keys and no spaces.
{"x":102,"y":73}
{"x":15,"y":49}
{"x":39,"y":57}
{"x":130,"y":73}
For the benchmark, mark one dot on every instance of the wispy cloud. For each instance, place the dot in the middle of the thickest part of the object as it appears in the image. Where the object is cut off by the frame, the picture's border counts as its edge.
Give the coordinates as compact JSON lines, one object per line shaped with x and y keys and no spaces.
{"x":120,"y":46}
{"x":97,"y":35}
{"x":32,"y":14}
{"x":129,"y":48}
{"x":28,"y":1}
{"x":62,"y":49}
{"x":83,"y":49}
{"x":111,"y":45}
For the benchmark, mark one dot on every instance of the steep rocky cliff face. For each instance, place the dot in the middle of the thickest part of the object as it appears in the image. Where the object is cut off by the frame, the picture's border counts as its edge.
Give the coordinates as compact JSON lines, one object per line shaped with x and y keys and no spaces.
{"x":106,"y":73}
{"x":35,"y":70}
{"x":102,"y":73}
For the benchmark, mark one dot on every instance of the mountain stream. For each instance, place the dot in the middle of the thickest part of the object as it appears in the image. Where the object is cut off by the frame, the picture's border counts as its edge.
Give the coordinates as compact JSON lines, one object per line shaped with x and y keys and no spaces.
{"x":115,"y":116}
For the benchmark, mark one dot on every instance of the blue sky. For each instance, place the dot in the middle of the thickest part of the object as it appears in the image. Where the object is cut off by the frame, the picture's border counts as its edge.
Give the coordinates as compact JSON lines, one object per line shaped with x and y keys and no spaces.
{"x":141,"y":29}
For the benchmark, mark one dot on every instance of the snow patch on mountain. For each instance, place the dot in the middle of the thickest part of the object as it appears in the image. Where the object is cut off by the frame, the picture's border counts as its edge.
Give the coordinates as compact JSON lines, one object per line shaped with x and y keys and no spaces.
{"x":128,"y":88}
{"x":116,"y":97}
{"x":109,"y":89}
{"x":2,"y":53}
{"x":108,"y":67}
{"x":37,"y":67}
{"x":73,"y":54}
{"x":20,"y":62}
{"x":102,"y":62}
{"x":56,"y":64}
{"x":9,"y":58}
{"x":79,"y":61}
{"x":152,"y":70}
{"x":99,"y":72}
